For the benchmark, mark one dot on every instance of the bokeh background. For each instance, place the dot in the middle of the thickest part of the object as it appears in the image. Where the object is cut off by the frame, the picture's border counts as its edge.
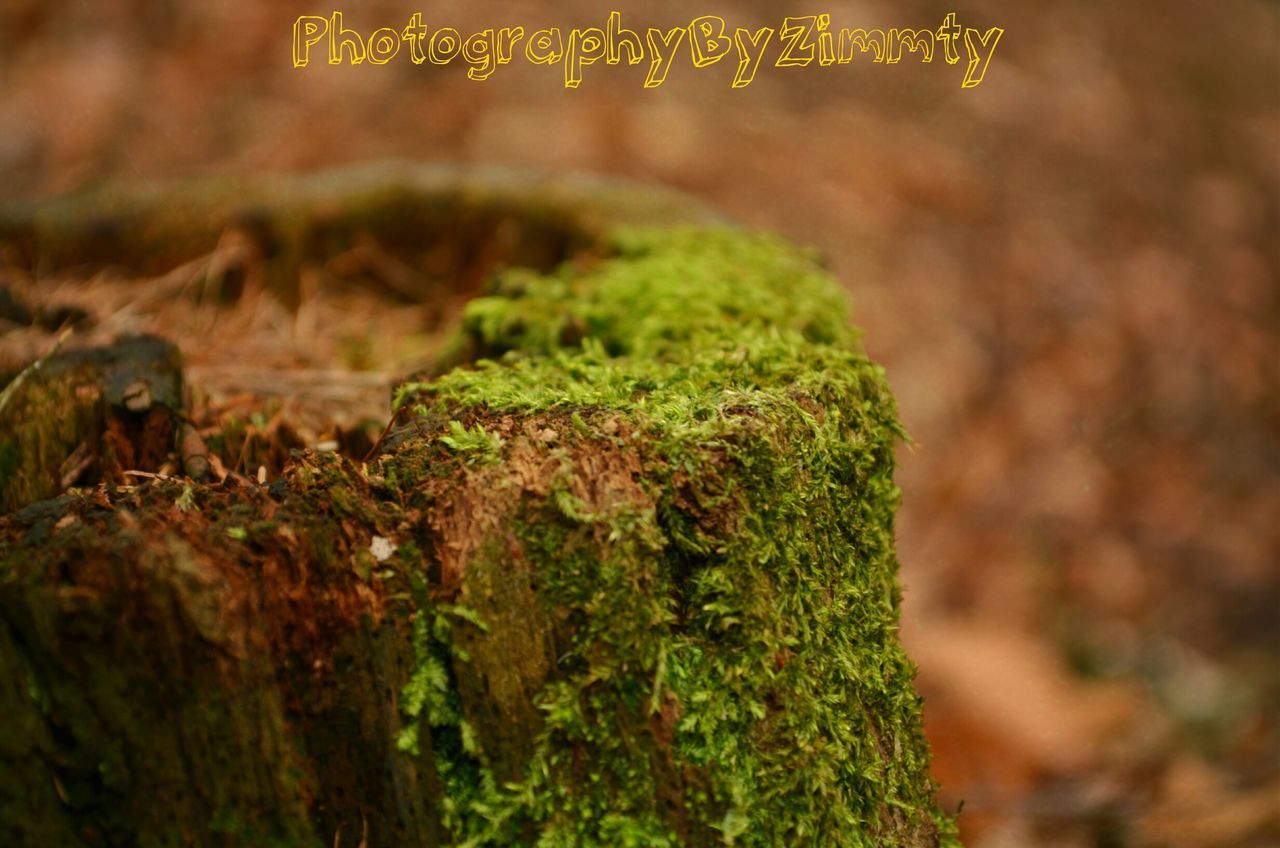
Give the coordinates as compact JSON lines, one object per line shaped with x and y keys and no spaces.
{"x":1070,"y":273}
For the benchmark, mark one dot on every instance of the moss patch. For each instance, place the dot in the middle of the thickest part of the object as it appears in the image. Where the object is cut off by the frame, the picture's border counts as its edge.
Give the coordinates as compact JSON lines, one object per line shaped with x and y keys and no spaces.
{"x":703,"y":458}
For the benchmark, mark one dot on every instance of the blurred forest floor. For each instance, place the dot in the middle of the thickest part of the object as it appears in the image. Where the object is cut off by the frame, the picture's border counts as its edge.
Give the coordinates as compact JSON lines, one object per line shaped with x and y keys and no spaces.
{"x":1070,"y":272}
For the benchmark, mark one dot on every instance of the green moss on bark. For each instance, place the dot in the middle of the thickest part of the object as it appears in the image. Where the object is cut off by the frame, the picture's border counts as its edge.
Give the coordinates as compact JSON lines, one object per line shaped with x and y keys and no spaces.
{"x":643,"y":592}
{"x":710,"y":530}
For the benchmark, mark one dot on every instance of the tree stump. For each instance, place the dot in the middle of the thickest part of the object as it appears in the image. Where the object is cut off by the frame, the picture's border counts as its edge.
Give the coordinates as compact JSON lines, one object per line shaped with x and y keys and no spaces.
{"x":621,"y":573}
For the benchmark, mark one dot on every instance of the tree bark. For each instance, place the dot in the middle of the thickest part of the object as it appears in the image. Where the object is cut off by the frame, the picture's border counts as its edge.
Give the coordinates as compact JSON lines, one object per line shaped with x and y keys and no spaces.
{"x":89,"y":416}
{"x":621,"y":574}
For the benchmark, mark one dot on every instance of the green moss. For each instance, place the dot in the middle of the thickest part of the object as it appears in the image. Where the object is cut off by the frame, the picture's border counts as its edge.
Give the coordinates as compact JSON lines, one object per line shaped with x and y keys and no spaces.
{"x":729,"y":670}
{"x":478,"y":442}
{"x":473,"y":807}
{"x":644,"y":575}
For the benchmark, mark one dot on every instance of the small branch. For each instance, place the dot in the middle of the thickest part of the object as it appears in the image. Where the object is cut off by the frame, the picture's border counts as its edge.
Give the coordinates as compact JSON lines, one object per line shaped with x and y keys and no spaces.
{"x":16,"y":383}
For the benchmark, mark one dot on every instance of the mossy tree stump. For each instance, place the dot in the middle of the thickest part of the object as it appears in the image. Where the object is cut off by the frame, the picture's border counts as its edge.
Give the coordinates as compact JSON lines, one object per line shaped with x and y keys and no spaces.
{"x":622,"y":574}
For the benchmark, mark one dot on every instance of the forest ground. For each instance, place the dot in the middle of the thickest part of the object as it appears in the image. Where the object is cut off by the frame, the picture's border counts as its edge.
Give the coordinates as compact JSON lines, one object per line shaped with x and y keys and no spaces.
{"x":1070,"y":273}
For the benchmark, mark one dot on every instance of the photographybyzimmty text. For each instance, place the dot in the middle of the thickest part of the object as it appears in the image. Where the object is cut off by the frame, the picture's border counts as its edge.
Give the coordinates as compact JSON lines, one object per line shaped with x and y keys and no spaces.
{"x":705,"y":41}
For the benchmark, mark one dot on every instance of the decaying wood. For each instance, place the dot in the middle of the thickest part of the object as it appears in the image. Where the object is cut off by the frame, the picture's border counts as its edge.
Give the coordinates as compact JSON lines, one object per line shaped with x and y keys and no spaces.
{"x":654,"y":606}
{"x":88,"y":416}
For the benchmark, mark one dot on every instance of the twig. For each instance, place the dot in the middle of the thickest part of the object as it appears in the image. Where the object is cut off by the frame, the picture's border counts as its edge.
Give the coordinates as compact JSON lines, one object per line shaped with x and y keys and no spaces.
{"x":16,"y":383}
{"x":147,"y":474}
{"x":378,"y":444}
